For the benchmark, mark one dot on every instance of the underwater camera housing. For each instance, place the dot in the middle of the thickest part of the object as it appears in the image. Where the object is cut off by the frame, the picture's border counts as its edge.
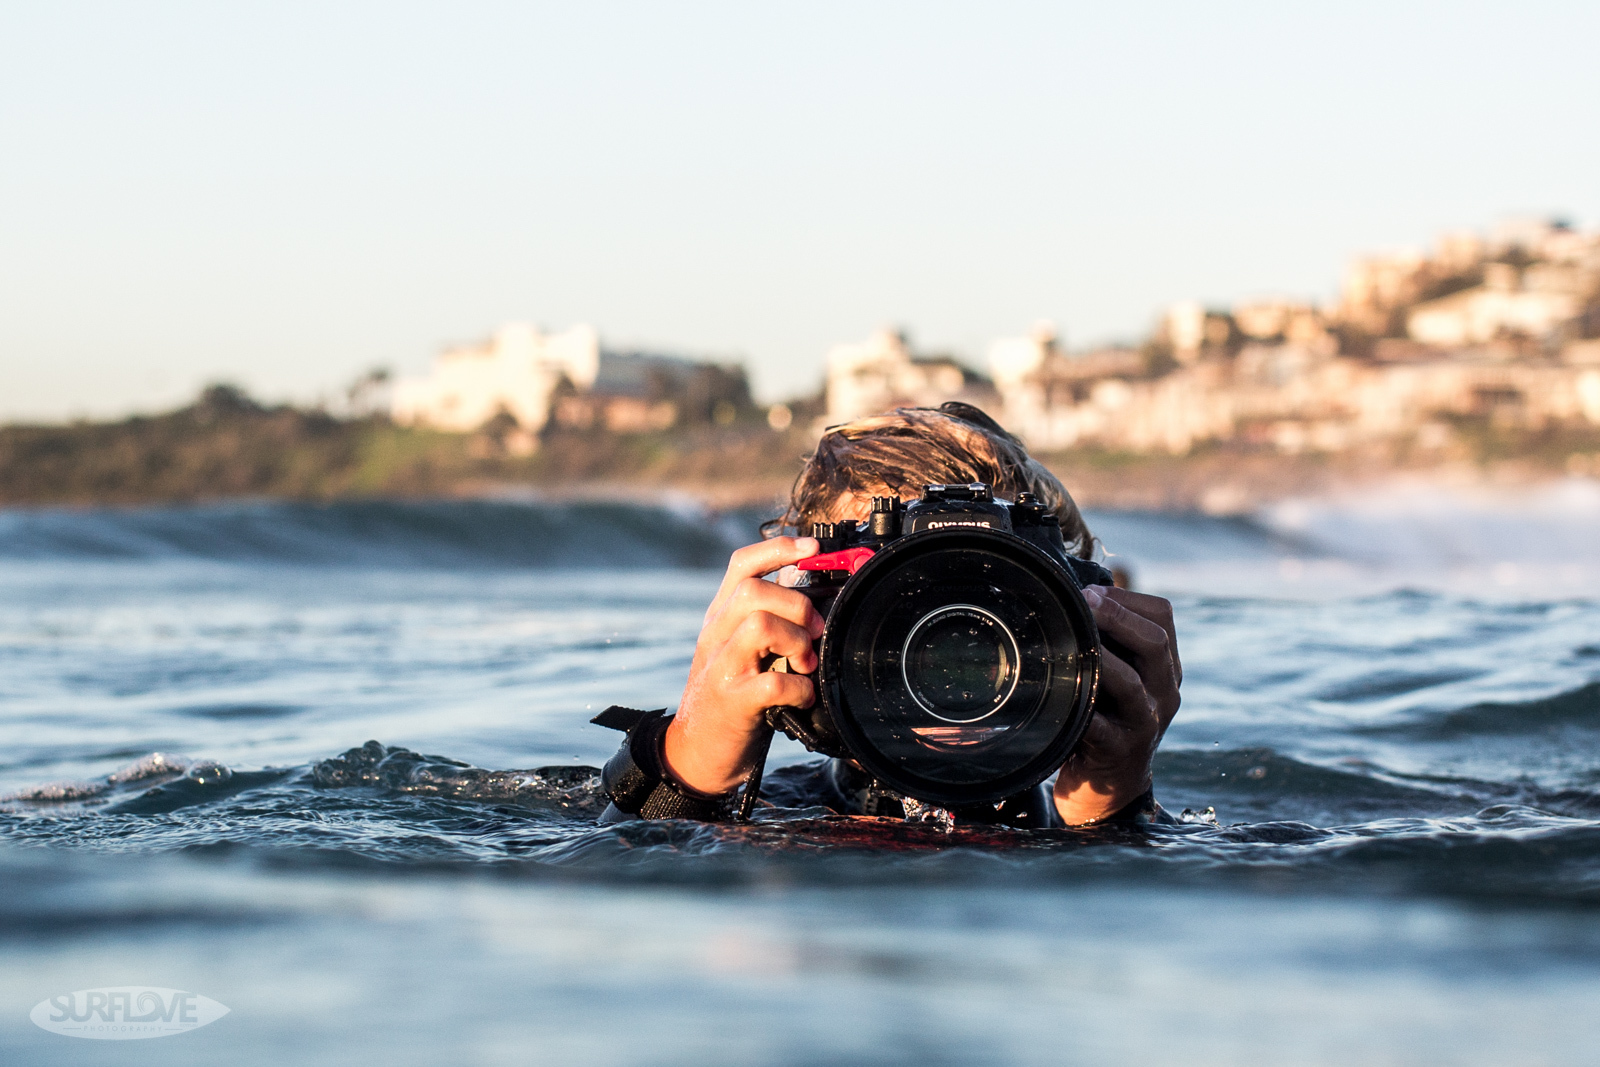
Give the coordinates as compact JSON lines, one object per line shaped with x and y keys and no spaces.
{"x":959,"y":660}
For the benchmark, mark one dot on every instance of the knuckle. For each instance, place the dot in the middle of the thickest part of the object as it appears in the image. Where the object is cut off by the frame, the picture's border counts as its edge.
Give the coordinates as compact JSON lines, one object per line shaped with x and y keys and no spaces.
{"x":797,"y":692}
{"x":773,"y":630}
{"x":774,"y":689}
{"x":789,"y":599}
{"x":768,"y":688}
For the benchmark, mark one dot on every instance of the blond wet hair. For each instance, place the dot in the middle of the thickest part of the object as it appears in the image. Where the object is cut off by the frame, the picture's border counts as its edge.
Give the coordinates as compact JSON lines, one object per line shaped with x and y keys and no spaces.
{"x":899,"y":452}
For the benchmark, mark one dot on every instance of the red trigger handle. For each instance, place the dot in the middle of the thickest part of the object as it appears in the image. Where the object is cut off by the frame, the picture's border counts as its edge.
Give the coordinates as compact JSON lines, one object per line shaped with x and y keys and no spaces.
{"x":850,"y":560}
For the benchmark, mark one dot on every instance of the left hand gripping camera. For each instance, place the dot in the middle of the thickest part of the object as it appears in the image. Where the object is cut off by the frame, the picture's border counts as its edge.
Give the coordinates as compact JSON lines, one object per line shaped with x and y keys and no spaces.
{"x":959,"y":661}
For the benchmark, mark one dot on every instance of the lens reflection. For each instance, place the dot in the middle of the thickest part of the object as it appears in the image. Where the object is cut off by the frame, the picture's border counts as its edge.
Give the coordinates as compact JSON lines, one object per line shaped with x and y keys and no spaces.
{"x":960,"y":663}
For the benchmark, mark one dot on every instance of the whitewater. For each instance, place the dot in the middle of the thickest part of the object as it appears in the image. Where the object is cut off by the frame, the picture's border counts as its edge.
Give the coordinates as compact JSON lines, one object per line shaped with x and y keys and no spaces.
{"x":331,"y":767}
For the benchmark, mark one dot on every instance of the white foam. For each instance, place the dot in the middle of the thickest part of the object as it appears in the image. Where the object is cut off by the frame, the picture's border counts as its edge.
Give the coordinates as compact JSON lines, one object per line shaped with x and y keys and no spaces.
{"x":1516,"y":542}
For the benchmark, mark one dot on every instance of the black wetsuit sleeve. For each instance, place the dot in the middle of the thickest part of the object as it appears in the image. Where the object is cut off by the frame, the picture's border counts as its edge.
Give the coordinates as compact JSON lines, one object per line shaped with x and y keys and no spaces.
{"x":638,"y":780}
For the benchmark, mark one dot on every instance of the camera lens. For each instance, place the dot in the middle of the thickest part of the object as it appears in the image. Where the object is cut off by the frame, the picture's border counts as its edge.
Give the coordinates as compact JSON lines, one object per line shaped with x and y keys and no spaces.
{"x":960,"y":663}
{"x":958,"y":666}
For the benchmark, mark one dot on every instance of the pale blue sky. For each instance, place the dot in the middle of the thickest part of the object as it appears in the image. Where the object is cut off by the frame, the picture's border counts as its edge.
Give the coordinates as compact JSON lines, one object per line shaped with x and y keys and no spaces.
{"x":282,"y":194}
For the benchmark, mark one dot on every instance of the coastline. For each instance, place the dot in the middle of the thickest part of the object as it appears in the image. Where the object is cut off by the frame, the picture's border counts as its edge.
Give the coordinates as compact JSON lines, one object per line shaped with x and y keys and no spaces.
{"x":227,"y":448}
{"x":1218,"y":483}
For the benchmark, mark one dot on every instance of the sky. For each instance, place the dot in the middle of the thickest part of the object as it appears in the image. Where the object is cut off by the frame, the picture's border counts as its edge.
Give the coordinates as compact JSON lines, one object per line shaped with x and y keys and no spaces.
{"x":283,"y":195}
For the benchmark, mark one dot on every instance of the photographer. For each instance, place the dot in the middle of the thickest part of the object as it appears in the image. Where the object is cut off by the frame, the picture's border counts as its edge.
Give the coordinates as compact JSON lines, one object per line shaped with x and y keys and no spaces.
{"x":698,"y":758}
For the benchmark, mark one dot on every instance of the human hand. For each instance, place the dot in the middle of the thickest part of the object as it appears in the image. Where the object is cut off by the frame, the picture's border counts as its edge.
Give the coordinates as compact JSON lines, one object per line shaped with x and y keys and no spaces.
{"x":1135,"y":704}
{"x":716,"y":735}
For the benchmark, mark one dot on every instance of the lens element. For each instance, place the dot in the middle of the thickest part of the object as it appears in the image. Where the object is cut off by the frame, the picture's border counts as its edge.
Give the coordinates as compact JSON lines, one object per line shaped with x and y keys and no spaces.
{"x":960,"y":663}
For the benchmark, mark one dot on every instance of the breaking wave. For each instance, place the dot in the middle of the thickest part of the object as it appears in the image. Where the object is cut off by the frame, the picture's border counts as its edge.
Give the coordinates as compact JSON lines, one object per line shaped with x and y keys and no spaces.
{"x":386,"y":534}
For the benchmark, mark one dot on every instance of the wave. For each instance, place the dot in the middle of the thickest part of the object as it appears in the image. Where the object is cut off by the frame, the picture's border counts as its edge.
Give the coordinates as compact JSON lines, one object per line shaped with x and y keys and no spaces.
{"x":1246,"y":786}
{"x":1190,"y":537}
{"x":386,"y":534}
{"x":1416,"y":523}
{"x":572,"y":790}
{"x":157,"y":784}
{"x":1356,"y":827}
{"x":542,"y":533}
{"x":1381,"y":685}
{"x":1362,"y":547}
{"x":1573,"y":709}
{"x":1256,"y":784}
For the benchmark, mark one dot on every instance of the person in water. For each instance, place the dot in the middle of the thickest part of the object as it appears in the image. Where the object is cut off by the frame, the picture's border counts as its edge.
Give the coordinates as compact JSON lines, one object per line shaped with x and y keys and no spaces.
{"x":691,"y":764}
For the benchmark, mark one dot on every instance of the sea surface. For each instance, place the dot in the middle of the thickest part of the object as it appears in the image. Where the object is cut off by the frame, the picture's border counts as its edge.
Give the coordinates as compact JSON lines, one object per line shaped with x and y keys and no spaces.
{"x":331,"y":767}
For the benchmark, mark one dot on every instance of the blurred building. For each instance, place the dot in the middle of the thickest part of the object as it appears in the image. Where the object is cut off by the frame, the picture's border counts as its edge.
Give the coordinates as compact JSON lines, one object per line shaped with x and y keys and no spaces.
{"x":882,"y":372}
{"x":639,"y":392}
{"x":532,"y":377}
{"x":1503,"y":306}
{"x":1377,"y":287}
{"x":517,"y":371}
{"x":1296,"y":398}
{"x":1045,"y":394}
{"x":1503,"y":330}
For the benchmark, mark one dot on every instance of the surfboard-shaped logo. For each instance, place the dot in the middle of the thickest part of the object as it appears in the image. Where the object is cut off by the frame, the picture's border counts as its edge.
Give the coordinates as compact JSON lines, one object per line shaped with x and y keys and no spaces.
{"x":125,"y":1012}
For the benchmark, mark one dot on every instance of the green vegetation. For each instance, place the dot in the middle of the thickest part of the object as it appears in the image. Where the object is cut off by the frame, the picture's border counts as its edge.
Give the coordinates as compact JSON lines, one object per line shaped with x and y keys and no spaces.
{"x":227,"y":445}
{"x":1486,"y":440}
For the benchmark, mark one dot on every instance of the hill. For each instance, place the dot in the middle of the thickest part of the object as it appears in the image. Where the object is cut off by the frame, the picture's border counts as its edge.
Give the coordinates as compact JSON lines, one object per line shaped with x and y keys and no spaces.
{"x":227,"y":445}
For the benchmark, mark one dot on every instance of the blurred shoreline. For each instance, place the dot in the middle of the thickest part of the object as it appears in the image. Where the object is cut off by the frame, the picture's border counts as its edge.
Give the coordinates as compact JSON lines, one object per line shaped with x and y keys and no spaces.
{"x":227,"y":447}
{"x":1221,"y":484}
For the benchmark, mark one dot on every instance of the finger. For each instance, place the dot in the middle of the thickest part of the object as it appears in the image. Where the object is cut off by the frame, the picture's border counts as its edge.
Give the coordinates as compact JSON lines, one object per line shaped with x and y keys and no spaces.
{"x":758,"y":560}
{"x":1104,"y":737}
{"x":1130,"y":629}
{"x":763,"y":633}
{"x":1129,"y":704}
{"x":1136,"y":699}
{"x":1158,"y":610}
{"x":1149,"y":643}
{"x":771,"y":689}
{"x":755,"y":594}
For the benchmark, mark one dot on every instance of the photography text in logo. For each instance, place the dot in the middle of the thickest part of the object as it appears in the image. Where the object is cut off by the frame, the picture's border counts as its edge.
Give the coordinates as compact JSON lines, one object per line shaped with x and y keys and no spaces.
{"x":125,"y":1012}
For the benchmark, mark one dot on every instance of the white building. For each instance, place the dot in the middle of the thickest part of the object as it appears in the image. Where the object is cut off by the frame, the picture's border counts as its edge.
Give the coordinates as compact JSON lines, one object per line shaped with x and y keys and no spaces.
{"x":1503,"y":304}
{"x":1043,"y":390}
{"x":1185,"y":327}
{"x":517,"y":371}
{"x":881,"y":373}
{"x":1014,"y":360}
{"x":1021,"y":369}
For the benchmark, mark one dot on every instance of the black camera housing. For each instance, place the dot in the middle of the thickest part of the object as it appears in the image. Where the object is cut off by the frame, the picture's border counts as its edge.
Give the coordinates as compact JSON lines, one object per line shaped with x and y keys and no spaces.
{"x":959,"y":660}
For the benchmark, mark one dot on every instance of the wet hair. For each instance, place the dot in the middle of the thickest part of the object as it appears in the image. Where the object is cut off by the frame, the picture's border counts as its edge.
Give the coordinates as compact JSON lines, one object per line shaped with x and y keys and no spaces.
{"x":897,"y":453}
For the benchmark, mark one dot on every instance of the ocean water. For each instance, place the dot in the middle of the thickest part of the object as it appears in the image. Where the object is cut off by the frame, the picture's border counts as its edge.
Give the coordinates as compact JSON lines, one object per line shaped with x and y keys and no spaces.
{"x":331,"y":768}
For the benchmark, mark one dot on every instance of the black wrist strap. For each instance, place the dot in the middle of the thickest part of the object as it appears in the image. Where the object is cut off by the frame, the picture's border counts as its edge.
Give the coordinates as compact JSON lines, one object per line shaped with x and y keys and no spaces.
{"x":637,"y":778}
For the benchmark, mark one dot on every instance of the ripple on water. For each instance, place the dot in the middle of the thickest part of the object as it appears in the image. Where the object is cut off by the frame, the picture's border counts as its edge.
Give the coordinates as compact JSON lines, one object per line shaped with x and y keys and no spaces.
{"x":1406,"y":787}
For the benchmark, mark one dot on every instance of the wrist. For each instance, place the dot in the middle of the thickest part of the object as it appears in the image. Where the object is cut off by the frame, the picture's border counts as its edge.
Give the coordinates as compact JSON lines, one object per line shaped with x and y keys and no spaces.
{"x":1085,"y":803}
{"x":711,"y":758}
